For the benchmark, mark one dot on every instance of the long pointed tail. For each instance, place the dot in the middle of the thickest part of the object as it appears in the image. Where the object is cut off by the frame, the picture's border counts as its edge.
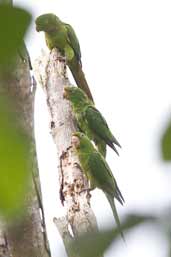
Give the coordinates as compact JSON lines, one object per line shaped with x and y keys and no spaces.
{"x":115,"y":214}
{"x":115,"y":141}
{"x":113,"y":147}
{"x":79,"y":77}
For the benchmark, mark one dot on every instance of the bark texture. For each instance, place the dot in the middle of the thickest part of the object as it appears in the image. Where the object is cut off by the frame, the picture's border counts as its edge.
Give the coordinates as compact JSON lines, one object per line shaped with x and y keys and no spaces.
{"x":50,"y":71}
{"x":25,"y":237}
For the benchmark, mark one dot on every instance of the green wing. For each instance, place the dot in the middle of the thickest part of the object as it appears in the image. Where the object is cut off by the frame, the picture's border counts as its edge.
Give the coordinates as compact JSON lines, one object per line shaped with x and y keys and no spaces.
{"x":100,"y":171}
{"x":99,"y":125}
{"x":102,"y":176}
{"x":73,"y":41}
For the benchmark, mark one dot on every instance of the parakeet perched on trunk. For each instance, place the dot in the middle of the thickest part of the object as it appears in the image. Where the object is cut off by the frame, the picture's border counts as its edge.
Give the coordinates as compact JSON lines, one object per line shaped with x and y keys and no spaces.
{"x":90,"y":121}
{"x":97,"y":171}
{"x":62,"y":36}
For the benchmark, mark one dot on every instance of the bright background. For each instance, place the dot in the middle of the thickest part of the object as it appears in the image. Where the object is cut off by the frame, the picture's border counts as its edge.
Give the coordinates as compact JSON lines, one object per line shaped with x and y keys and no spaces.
{"x":126,"y":55}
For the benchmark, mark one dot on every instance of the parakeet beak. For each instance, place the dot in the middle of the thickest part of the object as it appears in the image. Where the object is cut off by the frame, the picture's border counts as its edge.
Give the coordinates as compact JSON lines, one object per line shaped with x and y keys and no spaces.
{"x":65,"y":94}
{"x":38,"y":28}
{"x":75,"y":141}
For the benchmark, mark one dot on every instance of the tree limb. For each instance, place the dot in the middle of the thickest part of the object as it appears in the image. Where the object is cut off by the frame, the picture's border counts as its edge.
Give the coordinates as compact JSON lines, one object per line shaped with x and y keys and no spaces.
{"x":50,"y":72}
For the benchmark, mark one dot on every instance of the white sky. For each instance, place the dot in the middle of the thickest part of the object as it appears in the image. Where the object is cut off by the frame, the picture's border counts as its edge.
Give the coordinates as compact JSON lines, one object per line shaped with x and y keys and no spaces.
{"x":126,"y":55}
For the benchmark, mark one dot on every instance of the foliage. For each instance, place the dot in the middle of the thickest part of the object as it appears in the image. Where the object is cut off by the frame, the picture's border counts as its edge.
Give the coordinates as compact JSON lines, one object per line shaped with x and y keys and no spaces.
{"x":95,"y":244}
{"x":13,"y":26}
{"x":14,"y":152}
{"x":14,"y":145}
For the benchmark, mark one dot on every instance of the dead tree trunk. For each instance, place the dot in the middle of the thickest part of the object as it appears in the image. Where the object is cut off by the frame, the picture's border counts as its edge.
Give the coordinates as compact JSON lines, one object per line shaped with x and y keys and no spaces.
{"x":50,"y":72}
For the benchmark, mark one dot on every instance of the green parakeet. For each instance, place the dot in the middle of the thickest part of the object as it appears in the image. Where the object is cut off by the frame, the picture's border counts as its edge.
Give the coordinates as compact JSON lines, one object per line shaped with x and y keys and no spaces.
{"x":90,"y":121}
{"x":97,"y":171}
{"x":62,"y":36}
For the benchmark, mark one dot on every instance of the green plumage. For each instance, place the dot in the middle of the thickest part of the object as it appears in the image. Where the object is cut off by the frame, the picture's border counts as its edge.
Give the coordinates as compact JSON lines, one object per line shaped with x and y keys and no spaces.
{"x":62,"y":36}
{"x":90,"y":121}
{"x":97,"y":171}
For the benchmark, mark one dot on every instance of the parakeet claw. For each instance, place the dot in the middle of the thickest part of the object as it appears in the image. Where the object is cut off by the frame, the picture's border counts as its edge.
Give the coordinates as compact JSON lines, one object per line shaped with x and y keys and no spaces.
{"x":86,"y":189}
{"x":61,"y":59}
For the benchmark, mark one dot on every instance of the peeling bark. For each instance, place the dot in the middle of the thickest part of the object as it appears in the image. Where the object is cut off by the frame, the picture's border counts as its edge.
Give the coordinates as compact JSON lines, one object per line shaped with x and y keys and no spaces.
{"x":50,"y":71}
{"x":26,"y":236}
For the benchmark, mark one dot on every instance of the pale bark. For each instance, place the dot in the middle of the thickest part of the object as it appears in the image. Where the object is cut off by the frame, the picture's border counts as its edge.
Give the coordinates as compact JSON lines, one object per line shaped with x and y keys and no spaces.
{"x":50,"y":72}
{"x":24,"y":238}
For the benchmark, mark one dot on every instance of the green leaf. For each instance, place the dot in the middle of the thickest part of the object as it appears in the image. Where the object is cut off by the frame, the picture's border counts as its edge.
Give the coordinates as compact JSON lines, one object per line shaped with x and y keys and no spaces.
{"x":95,"y":244}
{"x":13,"y":25}
{"x":14,"y":164}
{"x":166,"y":143}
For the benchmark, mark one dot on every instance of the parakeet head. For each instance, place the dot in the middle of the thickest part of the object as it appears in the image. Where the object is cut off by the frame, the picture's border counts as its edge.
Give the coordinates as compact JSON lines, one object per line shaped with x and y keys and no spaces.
{"x":81,"y":141}
{"x":75,"y":95}
{"x":47,"y":22}
{"x":75,"y":140}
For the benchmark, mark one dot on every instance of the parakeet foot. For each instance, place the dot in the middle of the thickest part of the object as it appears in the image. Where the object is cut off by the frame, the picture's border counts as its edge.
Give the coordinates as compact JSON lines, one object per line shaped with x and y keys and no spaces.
{"x":62,"y":59}
{"x":86,"y":189}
